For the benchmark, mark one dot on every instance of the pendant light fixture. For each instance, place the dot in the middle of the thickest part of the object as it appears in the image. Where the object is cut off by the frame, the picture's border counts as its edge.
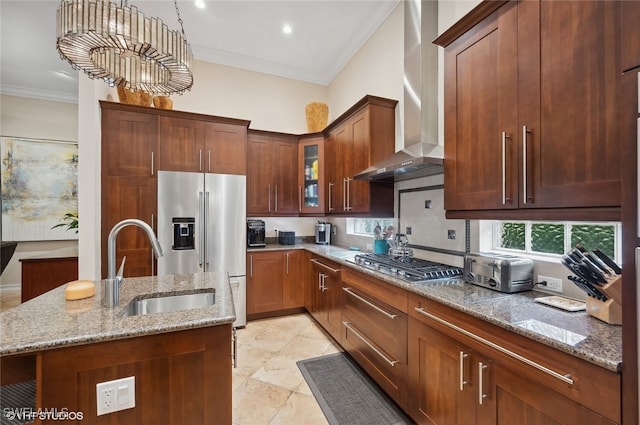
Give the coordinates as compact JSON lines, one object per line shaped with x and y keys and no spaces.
{"x":120,"y":45}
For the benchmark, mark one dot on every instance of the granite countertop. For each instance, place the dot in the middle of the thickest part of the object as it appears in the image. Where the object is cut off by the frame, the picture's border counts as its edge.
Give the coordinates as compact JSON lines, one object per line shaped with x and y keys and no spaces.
{"x":575,"y":333}
{"x":49,"y":321}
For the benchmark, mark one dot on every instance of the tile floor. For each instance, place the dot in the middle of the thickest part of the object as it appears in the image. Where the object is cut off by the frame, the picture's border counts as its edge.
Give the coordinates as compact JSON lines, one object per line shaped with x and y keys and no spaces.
{"x":268,"y":388}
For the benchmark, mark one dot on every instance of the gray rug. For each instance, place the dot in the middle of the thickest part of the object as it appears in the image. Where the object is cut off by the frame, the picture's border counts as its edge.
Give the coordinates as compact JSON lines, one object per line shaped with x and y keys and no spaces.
{"x":17,"y":403}
{"x":347,"y":395}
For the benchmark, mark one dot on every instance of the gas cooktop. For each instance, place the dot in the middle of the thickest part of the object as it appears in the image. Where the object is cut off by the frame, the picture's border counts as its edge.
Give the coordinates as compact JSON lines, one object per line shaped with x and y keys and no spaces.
{"x":407,"y":268}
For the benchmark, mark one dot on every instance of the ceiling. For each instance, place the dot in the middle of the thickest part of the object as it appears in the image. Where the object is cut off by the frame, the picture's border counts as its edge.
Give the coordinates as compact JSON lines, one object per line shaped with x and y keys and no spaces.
{"x":239,"y":33}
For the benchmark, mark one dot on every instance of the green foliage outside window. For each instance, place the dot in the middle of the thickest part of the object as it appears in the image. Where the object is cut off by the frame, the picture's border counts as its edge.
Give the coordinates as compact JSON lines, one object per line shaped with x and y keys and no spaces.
{"x":512,"y":235}
{"x":547,"y":238}
{"x":594,"y":236}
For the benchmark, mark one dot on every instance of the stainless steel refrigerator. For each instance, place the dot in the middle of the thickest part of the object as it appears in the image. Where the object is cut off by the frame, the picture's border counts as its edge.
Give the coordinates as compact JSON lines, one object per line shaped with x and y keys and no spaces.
{"x":202,"y":227}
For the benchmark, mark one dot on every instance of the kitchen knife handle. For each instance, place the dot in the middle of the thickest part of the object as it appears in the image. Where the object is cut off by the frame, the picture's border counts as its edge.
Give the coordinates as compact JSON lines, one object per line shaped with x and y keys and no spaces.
{"x":481,"y":394}
{"x":504,"y":168}
{"x":330,"y":193}
{"x":463,"y":381}
{"x":525,"y":176}
{"x":564,"y":378}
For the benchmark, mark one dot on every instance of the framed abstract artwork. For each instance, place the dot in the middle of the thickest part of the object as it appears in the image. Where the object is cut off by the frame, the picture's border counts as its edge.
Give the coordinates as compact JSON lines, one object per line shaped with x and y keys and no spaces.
{"x":39,"y":180}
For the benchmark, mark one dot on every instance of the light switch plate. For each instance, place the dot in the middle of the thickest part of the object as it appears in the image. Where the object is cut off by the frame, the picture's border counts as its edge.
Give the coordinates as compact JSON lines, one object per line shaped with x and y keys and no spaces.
{"x":113,"y":396}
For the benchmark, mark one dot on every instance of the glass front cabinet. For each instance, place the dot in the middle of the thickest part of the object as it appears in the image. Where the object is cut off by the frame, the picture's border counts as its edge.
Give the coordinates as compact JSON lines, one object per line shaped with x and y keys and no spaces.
{"x":311,"y":178}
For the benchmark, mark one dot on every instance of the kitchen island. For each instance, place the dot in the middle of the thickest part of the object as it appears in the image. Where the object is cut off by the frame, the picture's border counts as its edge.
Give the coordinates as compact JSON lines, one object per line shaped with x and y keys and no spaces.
{"x":181,"y":360}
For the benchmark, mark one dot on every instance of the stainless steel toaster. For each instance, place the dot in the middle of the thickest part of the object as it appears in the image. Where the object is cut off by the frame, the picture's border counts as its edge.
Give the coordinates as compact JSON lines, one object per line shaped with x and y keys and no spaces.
{"x":501,"y":272}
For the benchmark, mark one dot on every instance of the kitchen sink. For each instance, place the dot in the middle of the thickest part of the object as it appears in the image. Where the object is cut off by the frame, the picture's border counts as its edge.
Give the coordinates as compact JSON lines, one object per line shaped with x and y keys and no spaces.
{"x":160,"y":303}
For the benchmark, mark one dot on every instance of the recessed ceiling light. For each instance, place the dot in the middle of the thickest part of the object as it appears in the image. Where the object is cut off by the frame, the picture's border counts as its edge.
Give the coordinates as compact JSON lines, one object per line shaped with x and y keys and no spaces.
{"x":200,"y":4}
{"x":287,"y":29}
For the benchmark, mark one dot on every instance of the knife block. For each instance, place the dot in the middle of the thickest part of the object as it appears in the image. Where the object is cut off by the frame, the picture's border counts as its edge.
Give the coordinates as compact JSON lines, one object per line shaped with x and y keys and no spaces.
{"x":609,"y":311}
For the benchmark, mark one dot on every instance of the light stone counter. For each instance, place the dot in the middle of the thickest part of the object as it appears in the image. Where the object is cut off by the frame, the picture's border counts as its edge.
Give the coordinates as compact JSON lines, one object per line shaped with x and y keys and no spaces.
{"x":49,"y":321}
{"x":519,"y":313}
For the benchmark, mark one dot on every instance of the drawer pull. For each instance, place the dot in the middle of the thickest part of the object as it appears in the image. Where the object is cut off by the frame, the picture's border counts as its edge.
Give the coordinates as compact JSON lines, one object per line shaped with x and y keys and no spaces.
{"x":314,"y":261}
{"x":463,"y":356}
{"x":370,"y":304}
{"x":363,"y":339}
{"x":481,"y":394}
{"x":564,"y":378}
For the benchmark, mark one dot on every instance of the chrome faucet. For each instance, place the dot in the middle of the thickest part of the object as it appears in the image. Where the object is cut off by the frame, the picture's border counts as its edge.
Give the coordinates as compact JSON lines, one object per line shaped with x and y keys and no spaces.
{"x":111,"y":285}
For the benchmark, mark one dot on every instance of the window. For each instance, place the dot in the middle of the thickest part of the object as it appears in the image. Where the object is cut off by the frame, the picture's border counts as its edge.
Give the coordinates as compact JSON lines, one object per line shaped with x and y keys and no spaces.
{"x":366,"y":226}
{"x":557,"y":238}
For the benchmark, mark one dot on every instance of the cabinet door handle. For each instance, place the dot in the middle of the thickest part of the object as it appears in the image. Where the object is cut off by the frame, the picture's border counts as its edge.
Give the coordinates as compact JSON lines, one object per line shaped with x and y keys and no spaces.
{"x":481,"y":394}
{"x":314,"y":261}
{"x":287,"y":264}
{"x":525,"y":177}
{"x":269,"y":197}
{"x":370,"y":304}
{"x":504,"y":168}
{"x":564,"y":378}
{"x":153,"y":257}
{"x":463,"y":381}
{"x":200,"y":160}
{"x":152,"y":163}
{"x":330,"y":193}
{"x":300,"y":199}
{"x":209,"y":160}
{"x":370,"y":345}
{"x":234,"y":336}
{"x":344,"y":194}
{"x":276,"y":197}
{"x":251,"y":265}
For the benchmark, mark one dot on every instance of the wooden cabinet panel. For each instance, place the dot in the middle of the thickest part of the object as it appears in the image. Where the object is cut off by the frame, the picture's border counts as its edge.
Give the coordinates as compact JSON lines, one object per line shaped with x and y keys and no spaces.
{"x":630,"y":54}
{"x":293,"y":282}
{"x":129,"y":184}
{"x":180,"y":375}
{"x":326,"y":295}
{"x":265,"y":282}
{"x":312,"y":182}
{"x":358,"y":138}
{"x":546,"y":119}
{"x":226,"y":148}
{"x":272,"y":176}
{"x":181,"y":144}
{"x":40,"y":275}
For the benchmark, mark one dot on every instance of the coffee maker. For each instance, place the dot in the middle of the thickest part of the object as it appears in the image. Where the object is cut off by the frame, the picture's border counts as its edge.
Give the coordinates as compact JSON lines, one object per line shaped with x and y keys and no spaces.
{"x":323,"y":233}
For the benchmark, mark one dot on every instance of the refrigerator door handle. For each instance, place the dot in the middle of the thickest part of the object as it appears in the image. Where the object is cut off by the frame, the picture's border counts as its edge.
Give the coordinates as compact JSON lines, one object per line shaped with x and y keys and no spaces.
{"x":201,"y":229}
{"x":205,"y":251}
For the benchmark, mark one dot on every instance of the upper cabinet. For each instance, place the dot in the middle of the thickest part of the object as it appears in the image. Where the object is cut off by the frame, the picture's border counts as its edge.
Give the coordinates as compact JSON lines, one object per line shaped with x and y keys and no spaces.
{"x":272,"y":175}
{"x":363,"y":135}
{"x":311,"y":174}
{"x":531,"y":111}
{"x":198,"y":145}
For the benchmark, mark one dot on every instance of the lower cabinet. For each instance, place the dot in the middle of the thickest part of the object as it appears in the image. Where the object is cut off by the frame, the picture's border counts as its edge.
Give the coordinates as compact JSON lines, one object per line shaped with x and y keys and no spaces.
{"x":326,"y":295}
{"x":275,"y":282}
{"x":462,"y":371}
{"x":40,"y":275}
{"x":374,"y":333}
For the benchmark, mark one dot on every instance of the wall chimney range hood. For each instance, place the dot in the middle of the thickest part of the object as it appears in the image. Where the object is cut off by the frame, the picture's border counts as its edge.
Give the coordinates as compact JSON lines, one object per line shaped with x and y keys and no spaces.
{"x":422,"y":155}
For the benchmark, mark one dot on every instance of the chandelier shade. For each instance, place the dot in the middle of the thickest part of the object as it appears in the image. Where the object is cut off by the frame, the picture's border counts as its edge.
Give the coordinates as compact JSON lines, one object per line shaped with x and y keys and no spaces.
{"x":121,"y":46}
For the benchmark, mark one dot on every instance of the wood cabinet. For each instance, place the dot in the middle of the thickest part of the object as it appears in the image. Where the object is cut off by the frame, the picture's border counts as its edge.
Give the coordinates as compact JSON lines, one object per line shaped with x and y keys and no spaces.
{"x":185,"y":374}
{"x":530,"y":128}
{"x":138,"y":141}
{"x":311,"y":161}
{"x":196,"y":145}
{"x":374,"y":332}
{"x":464,"y":371}
{"x":274,"y":282}
{"x":326,"y":295}
{"x":363,"y":135}
{"x":129,"y":183}
{"x":272,"y":175}
{"x":41,"y":274}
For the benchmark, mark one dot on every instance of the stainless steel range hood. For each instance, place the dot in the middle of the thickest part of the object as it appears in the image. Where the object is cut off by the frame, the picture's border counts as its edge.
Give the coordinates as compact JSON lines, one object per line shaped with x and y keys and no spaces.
{"x":422,"y":155}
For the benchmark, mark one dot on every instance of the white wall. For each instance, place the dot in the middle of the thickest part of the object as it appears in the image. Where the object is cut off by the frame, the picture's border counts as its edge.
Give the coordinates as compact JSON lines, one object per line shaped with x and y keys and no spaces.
{"x":25,"y":117}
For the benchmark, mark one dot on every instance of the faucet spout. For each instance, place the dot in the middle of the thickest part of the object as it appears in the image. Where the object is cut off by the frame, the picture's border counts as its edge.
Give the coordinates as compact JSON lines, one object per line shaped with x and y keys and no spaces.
{"x":111,"y":242}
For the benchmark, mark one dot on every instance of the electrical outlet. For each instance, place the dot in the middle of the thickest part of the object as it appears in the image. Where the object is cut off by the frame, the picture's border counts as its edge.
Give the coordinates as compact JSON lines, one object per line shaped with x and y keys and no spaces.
{"x":113,"y":396}
{"x":553,"y":284}
{"x":408,"y":230}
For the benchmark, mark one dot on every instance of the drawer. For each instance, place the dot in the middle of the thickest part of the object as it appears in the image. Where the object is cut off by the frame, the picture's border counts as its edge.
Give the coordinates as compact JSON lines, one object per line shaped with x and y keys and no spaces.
{"x":376,"y":288}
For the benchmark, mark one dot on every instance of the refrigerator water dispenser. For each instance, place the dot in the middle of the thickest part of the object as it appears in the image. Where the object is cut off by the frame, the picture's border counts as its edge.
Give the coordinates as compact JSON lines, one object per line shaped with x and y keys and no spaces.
{"x":183,"y":233}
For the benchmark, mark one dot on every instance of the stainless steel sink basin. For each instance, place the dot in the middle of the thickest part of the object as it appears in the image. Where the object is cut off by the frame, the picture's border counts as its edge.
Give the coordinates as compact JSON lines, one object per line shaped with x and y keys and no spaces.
{"x":150,"y":304}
